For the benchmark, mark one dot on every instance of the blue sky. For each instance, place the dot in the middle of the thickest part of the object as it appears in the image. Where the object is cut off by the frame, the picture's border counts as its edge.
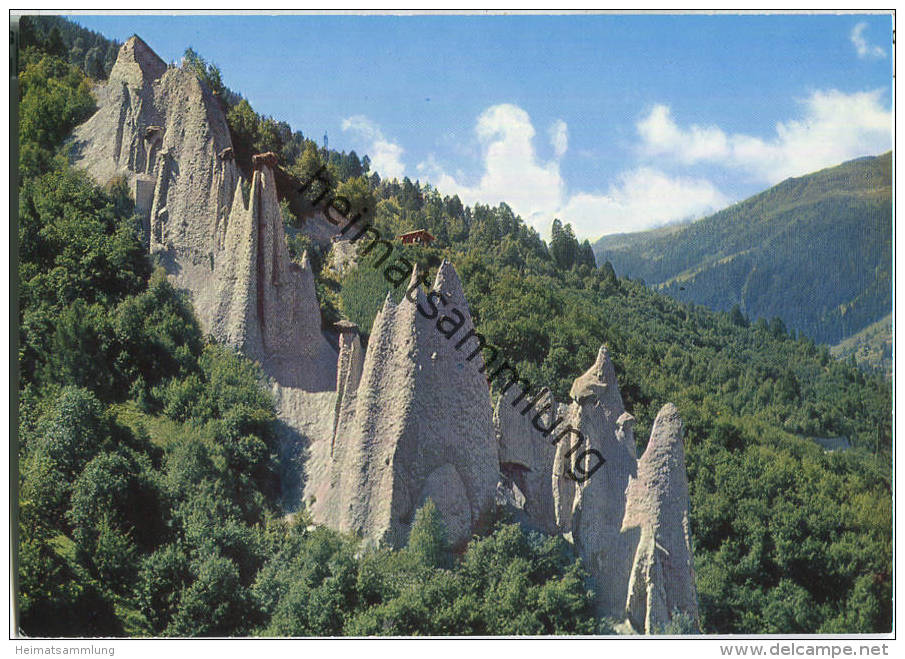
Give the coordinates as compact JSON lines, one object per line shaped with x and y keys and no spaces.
{"x":610,"y":122}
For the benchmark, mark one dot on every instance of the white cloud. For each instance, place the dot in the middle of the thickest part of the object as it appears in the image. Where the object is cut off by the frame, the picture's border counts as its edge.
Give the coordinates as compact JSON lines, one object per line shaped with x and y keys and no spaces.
{"x":386,"y":156}
{"x":512,"y":171}
{"x":559,"y":138}
{"x":639,"y":199}
{"x":662,"y":136}
{"x":834,"y":127}
{"x":864,"y":49}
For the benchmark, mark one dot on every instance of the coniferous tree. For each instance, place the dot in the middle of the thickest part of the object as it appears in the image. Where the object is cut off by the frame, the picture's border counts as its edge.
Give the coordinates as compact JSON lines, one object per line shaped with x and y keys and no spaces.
{"x":55,"y":45}
{"x":564,"y":246}
{"x":608,"y":271}
{"x":427,"y":540}
{"x":586,"y":255}
{"x":737,"y":317}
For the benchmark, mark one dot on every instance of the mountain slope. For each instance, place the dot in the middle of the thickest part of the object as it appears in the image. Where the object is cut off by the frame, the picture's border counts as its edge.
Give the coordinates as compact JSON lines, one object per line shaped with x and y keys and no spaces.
{"x":871,"y":347}
{"x":816,"y":251}
{"x":184,"y":536}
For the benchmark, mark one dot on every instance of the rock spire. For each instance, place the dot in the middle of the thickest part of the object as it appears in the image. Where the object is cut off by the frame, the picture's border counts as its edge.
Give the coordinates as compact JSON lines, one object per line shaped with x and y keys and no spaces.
{"x":418,"y":425}
{"x":370,"y":433}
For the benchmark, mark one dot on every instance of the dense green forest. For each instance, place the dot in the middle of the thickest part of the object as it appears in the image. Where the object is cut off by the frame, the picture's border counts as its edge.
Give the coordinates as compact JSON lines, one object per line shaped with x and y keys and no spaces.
{"x":88,"y":50}
{"x":815,"y":251}
{"x":147,"y":460}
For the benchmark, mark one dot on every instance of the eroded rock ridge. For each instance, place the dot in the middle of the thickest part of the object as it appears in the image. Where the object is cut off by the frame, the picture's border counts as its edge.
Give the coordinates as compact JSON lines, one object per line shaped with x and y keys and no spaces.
{"x":375,"y":431}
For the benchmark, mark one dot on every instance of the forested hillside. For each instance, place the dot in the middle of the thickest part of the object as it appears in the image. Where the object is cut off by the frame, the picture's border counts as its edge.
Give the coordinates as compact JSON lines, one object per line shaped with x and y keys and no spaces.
{"x":91,"y":52}
{"x":148,"y":467}
{"x":871,"y":348}
{"x":814,"y":251}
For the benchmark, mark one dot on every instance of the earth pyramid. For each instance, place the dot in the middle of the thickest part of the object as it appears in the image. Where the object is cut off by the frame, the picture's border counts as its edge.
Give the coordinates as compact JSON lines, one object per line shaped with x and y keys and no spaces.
{"x":370,"y":431}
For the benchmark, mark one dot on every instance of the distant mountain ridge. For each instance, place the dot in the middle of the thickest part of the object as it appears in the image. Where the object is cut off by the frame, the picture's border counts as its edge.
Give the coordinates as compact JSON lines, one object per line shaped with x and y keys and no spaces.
{"x":815,"y":251}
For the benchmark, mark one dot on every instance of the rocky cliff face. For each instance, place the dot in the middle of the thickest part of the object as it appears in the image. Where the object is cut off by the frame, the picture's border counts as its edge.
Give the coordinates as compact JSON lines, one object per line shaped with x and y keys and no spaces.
{"x":662,"y":573}
{"x":373,"y":433}
{"x":526,"y":457}
{"x":417,"y":426}
{"x":594,"y":515}
{"x":629,"y":520}
{"x":164,"y":132}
